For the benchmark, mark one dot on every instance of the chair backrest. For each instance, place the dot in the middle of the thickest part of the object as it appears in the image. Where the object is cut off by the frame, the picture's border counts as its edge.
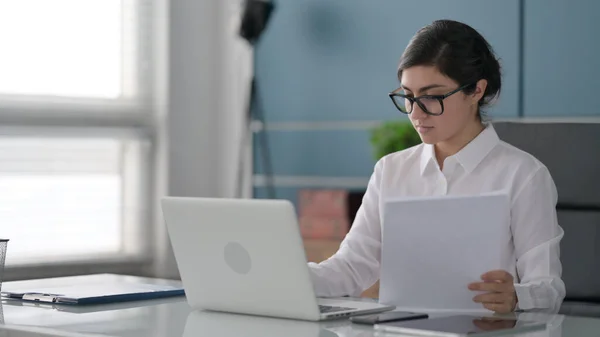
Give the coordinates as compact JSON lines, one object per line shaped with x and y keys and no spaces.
{"x":571,"y":151}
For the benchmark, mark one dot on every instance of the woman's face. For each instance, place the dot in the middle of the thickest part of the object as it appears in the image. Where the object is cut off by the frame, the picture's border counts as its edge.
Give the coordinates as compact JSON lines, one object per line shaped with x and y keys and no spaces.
{"x":460,"y":109}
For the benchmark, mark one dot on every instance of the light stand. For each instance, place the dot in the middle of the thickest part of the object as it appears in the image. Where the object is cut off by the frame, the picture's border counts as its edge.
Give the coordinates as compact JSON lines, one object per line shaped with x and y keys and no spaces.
{"x":255,"y":17}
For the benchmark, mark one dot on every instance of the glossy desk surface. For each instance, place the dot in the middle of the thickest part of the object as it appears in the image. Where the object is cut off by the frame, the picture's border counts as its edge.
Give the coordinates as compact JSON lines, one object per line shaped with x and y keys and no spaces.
{"x":173,"y":317}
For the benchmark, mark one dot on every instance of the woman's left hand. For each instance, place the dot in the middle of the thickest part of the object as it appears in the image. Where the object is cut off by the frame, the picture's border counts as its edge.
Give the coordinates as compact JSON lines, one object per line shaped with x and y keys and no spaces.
{"x":500,"y":295}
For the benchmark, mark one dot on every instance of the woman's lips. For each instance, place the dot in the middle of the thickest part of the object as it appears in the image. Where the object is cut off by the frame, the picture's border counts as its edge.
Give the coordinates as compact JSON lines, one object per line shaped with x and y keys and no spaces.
{"x":424,"y":129}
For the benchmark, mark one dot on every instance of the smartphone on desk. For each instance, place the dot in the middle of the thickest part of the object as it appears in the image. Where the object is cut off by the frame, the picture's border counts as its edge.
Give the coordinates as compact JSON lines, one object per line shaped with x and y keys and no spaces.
{"x":389,"y":316}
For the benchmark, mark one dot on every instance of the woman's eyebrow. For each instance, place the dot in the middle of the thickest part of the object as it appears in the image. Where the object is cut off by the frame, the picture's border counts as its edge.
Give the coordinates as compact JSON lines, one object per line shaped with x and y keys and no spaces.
{"x":427,"y":87}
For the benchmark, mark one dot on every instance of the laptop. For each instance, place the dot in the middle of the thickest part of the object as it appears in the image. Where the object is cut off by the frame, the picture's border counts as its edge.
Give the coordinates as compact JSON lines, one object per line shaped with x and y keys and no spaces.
{"x":247,"y":256}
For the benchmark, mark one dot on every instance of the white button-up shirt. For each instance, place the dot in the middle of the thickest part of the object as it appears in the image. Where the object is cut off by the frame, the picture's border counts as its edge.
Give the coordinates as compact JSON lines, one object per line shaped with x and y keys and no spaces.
{"x":486,"y":164}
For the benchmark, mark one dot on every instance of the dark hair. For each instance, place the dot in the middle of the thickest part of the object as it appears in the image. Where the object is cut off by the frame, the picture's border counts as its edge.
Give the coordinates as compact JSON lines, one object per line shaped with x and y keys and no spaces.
{"x":459,"y":52}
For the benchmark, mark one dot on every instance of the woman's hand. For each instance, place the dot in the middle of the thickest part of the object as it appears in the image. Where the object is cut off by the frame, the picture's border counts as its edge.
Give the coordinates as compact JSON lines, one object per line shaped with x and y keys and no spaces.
{"x":500,"y":295}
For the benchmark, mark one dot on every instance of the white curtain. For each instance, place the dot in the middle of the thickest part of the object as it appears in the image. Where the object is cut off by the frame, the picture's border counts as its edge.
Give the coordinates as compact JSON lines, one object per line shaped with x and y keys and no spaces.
{"x":236,"y":140}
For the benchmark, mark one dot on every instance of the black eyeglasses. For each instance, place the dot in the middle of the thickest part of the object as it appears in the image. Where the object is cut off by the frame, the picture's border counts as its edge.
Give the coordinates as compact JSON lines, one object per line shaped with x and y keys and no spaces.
{"x":430,"y":104}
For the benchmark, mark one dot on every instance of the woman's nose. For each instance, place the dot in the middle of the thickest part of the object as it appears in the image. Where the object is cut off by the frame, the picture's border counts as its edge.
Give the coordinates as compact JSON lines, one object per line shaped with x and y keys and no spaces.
{"x":417,"y":112}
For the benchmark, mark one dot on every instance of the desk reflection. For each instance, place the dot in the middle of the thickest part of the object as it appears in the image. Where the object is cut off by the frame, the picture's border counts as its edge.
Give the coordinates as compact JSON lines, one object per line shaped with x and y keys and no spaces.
{"x":553,"y":326}
{"x":213,"y":324}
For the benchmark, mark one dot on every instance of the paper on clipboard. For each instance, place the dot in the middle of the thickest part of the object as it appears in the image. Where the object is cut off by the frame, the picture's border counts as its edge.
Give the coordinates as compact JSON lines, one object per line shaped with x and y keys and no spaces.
{"x":433,"y":247}
{"x":94,"y":293}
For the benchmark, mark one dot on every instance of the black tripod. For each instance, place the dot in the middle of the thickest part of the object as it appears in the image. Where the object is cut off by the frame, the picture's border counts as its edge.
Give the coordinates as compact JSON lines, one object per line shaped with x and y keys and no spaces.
{"x":255,"y":113}
{"x":254,"y":20}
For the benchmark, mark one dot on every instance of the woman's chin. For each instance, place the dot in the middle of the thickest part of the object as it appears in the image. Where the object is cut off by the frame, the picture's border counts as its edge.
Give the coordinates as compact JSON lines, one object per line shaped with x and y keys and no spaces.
{"x":428,"y":139}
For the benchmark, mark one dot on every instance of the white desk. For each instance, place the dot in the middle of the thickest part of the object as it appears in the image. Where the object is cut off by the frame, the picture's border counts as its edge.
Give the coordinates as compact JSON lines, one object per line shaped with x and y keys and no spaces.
{"x":173,"y":317}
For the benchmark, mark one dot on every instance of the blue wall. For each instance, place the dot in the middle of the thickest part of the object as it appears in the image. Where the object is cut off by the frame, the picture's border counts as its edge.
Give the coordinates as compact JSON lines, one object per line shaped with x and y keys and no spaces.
{"x":562,"y":57}
{"x":330,"y":64}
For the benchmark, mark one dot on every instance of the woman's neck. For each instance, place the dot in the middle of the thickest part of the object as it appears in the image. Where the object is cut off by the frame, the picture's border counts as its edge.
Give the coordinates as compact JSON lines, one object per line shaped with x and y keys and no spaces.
{"x":451,"y":146}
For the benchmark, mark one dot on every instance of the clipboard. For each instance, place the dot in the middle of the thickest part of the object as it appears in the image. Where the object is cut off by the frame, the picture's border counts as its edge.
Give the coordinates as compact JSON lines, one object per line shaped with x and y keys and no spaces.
{"x":89,"y":294}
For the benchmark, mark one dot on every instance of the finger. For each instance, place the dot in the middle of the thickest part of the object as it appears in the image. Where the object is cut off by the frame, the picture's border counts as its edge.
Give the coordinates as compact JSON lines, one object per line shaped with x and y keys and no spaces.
{"x":492,"y":287}
{"x":492,"y":298}
{"x":498,"y":308}
{"x":498,"y":275}
{"x":484,"y":325}
{"x":488,"y":325}
{"x":493,"y":319}
{"x":490,"y":319}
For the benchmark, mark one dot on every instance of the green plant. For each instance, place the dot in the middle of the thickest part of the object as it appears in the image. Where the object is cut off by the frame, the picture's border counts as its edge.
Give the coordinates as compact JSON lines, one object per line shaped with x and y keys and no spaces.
{"x":393,"y":136}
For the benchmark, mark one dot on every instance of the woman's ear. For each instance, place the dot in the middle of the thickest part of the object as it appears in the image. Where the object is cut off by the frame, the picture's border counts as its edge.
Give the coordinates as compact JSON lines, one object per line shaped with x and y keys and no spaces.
{"x":480,"y":87}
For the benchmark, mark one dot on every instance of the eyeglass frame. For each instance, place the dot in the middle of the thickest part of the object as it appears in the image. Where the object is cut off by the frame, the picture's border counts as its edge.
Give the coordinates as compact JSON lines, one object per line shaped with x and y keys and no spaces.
{"x":439,"y":98}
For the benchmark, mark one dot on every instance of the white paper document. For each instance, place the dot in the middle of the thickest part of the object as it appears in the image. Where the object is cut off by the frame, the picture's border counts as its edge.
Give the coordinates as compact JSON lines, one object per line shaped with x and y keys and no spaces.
{"x":433,"y":247}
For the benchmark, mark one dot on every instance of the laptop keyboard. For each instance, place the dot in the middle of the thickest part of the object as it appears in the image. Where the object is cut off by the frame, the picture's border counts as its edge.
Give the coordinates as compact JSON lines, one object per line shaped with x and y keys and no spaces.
{"x":325,"y":309}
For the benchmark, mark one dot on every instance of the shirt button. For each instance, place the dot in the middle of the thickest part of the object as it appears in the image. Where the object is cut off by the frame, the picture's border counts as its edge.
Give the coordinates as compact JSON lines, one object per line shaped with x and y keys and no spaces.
{"x":443,"y":187}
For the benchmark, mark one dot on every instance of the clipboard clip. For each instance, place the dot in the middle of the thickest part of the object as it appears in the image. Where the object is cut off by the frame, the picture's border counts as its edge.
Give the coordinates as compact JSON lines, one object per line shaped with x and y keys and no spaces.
{"x":39,"y":297}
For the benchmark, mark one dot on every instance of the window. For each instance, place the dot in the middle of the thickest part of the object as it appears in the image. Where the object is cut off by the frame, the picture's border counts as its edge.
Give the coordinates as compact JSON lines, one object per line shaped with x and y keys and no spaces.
{"x":75,"y":115}
{"x":61,"y":47}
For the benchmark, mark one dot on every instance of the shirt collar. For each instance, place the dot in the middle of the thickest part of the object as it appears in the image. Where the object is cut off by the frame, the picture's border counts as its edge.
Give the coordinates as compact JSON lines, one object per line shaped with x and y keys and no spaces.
{"x":469,"y":156}
{"x":427,"y":157}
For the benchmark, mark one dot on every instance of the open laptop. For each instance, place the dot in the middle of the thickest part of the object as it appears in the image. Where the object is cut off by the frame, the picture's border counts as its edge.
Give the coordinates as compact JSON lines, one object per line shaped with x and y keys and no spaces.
{"x":247,"y":256}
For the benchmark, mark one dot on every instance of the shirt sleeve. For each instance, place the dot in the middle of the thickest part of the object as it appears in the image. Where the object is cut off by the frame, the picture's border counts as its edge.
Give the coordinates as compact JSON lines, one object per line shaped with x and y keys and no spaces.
{"x":355,"y":266}
{"x":537,"y":235}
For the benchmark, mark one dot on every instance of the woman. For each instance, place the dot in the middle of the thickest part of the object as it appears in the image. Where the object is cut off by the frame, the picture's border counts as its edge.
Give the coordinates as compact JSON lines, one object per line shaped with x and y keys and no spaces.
{"x":448,"y":73}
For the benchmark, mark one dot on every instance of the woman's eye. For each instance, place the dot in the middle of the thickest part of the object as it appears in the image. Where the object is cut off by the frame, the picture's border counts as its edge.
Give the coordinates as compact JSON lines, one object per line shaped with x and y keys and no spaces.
{"x":428,"y":99}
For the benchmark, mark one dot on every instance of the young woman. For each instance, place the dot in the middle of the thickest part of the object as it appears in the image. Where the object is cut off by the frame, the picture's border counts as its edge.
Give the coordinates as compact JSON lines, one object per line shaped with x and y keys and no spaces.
{"x":448,"y":73}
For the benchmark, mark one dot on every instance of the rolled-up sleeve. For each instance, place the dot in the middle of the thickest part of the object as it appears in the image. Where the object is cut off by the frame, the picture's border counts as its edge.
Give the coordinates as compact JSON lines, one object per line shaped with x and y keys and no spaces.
{"x":355,"y":266}
{"x":537,"y":236}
